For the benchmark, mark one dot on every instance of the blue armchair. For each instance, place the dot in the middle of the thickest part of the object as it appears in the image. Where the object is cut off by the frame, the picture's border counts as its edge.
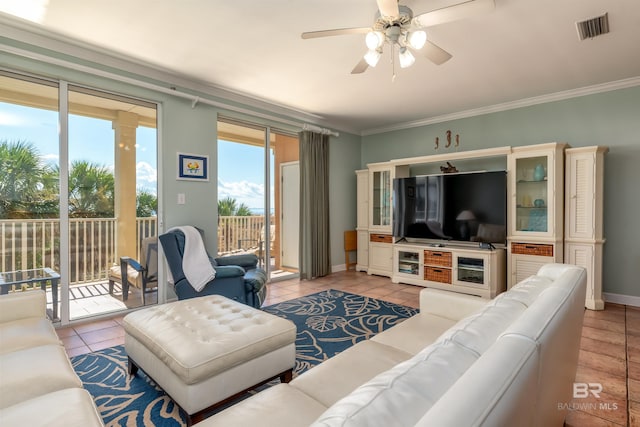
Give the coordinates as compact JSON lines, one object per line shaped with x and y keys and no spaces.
{"x":237,"y":277}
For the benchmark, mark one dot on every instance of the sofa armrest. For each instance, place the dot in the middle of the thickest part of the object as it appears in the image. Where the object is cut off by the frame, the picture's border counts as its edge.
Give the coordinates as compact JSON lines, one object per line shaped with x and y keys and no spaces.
{"x":22,"y":305}
{"x":255,"y":280}
{"x":449,"y":305}
{"x":226,"y":271}
{"x":246,"y":261}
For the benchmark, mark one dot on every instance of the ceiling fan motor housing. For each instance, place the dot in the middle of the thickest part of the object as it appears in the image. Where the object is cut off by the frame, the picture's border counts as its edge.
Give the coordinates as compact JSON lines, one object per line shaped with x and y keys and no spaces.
{"x":404,"y":19}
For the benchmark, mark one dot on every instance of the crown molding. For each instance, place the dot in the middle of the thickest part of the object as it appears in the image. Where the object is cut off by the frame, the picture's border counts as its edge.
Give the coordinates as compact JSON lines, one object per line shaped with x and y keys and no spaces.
{"x":527,"y":102}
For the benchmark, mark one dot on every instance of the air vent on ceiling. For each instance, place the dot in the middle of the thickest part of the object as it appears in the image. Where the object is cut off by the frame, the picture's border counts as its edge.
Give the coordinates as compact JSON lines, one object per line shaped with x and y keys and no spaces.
{"x":593,"y":27}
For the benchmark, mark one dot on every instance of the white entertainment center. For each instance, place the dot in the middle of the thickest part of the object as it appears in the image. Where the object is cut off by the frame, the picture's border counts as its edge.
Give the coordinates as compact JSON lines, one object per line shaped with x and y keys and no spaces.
{"x":546,"y":222}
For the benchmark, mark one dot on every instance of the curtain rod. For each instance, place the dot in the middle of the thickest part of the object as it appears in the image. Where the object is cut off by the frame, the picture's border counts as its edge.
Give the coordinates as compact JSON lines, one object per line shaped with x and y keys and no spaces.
{"x":318,"y":129}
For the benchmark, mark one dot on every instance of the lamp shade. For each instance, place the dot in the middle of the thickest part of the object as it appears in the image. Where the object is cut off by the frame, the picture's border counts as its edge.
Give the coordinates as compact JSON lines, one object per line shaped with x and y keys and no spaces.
{"x":406,"y":58}
{"x":466,"y":215}
{"x":417,"y":39}
{"x":374,"y":39}
{"x":372,"y":57}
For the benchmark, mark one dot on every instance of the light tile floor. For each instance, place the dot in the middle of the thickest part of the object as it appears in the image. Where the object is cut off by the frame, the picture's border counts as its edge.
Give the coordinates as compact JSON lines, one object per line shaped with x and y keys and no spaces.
{"x":609,"y":354}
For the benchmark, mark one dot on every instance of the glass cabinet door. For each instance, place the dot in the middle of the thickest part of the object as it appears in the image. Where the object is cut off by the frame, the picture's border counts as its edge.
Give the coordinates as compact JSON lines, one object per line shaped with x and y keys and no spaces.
{"x":470,"y":270}
{"x":409,"y":263}
{"x":531,"y":193}
{"x":381,"y":200}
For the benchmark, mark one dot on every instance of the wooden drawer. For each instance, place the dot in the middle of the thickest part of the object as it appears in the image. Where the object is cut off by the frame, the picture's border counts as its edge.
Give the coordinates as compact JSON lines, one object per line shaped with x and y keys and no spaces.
{"x":435,"y":274}
{"x":532,"y":249}
{"x":437,"y":258}
{"x":381,"y":238}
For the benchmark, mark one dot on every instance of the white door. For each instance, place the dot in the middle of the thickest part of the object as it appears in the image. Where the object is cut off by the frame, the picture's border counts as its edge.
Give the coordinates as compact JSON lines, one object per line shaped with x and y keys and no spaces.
{"x":290,"y":199}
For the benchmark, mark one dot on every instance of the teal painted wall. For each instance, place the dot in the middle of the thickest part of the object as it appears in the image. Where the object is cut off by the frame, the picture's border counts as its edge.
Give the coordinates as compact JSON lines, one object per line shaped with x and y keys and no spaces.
{"x":611,"y":119}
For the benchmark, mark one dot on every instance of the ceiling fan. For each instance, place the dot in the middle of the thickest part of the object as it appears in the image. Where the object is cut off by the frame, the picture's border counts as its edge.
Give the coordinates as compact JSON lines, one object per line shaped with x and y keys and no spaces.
{"x":396,"y":26}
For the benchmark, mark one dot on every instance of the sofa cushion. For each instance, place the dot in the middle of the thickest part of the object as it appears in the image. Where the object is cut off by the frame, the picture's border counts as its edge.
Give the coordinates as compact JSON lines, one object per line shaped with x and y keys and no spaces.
{"x":26,"y":333}
{"x":278,"y":406}
{"x":415,"y":333}
{"x":497,"y":390}
{"x":340,"y":375}
{"x":71,"y":407}
{"x":527,"y":290}
{"x":32,"y":372}
{"x":22,"y":305}
{"x":479,"y":331}
{"x":401,"y":395}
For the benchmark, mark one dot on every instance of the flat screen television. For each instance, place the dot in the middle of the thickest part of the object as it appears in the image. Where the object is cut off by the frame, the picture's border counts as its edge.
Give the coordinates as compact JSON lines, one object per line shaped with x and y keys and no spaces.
{"x":454,"y":207}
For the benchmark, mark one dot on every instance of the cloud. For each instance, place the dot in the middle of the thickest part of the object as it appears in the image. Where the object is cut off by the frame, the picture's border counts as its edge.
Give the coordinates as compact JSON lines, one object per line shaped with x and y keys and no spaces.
{"x":249,"y":193}
{"x":51,"y":159}
{"x":9,"y":119}
{"x":146,"y":174}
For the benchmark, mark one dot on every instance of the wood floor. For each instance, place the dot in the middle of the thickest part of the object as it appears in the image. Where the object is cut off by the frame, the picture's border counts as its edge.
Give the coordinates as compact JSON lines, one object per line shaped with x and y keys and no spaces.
{"x":609,"y":354}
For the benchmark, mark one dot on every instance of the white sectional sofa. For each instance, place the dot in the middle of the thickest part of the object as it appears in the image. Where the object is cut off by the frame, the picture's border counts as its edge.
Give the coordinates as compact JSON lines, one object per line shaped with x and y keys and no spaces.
{"x":38,"y":386}
{"x":462,"y":361}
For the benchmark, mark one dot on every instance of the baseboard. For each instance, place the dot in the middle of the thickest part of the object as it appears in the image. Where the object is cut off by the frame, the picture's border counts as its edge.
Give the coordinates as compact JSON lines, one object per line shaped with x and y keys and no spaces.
{"x":339,"y":267}
{"x":621,"y":299}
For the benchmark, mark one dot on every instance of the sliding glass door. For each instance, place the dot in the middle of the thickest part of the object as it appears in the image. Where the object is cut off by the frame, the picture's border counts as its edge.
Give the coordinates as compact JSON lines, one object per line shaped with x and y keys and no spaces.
{"x":256,"y":164}
{"x":77,"y":193}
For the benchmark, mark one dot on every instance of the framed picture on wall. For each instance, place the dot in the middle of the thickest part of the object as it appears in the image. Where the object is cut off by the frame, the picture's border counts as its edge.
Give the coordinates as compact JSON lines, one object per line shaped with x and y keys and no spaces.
{"x":193,"y":167}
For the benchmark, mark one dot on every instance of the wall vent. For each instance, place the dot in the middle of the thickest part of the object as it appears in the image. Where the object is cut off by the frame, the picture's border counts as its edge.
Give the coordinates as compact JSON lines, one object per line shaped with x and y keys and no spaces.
{"x":593,"y":27}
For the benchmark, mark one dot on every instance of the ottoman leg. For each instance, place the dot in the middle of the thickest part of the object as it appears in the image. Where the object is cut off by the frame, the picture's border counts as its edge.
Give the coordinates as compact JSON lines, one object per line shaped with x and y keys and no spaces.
{"x":286,"y":376}
{"x":132,"y":368}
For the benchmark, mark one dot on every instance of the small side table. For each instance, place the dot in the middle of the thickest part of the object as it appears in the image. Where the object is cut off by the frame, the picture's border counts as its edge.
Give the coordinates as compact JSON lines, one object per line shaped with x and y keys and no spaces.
{"x":36,"y":275}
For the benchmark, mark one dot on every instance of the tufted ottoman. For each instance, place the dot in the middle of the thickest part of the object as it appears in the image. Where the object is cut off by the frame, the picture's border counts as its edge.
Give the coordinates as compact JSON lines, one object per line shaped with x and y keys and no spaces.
{"x":203,"y":351}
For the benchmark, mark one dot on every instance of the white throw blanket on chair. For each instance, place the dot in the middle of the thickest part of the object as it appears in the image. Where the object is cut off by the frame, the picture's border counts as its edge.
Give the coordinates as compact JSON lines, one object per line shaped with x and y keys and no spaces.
{"x":195,"y":261}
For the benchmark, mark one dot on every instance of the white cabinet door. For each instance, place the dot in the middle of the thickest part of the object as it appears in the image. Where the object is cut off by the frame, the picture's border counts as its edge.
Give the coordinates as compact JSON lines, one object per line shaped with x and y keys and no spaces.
{"x":380,"y":258}
{"x":523,"y":266}
{"x":362,"y":195}
{"x":580,"y":200}
{"x":363,"y":251}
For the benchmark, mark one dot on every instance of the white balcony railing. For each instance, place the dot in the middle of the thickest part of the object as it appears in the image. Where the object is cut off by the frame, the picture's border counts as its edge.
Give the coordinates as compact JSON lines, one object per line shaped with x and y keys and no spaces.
{"x":34,"y":243}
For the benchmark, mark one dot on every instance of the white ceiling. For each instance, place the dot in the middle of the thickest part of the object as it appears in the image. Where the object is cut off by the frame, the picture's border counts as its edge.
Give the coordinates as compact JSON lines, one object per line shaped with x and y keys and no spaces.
{"x":523,"y":49}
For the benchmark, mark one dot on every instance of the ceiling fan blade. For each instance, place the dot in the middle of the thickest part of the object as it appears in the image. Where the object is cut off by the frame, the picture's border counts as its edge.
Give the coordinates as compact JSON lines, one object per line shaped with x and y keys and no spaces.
{"x":388,"y":8}
{"x":435,"y":54}
{"x":454,"y":13}
{"x":361,"y":67}
{"x":336,"y":32}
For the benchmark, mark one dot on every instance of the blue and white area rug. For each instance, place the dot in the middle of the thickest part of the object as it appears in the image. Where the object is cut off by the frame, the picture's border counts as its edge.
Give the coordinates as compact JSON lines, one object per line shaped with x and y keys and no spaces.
{"x":328,"y":322}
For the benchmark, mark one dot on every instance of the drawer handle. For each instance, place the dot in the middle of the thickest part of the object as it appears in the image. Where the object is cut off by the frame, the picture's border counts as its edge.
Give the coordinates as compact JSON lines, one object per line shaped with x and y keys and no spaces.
{"x":436,"y":254}
{"x":437,"y":270}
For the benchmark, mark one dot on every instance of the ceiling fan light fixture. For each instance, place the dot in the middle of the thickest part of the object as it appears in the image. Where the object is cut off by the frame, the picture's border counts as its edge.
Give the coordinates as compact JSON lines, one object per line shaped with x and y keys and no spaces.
{"x":372,"y":57}
{"x":406,"y":58}
{"x":374,"y":39}
{"x":417,"y":39}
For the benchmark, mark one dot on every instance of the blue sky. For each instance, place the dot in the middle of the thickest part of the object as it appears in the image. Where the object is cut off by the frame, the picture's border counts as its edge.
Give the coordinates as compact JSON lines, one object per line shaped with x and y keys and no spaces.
{"x":240,"y":166}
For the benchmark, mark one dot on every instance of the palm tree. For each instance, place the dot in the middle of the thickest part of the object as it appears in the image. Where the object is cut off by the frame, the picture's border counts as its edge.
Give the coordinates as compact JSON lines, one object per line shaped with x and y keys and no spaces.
{"x":21,"y":178}
{"x":229,"y":207}
{"x":91,"y":190}
{"x":146,"y":203}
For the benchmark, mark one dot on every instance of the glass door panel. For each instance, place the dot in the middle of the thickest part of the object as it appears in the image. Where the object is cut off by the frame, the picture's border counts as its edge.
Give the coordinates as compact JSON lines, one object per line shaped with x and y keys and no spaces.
{"x":470,"y":270}
{"x":29,"y":190}
{"x":258,"y":193}
{"x":531,"y":194}
{"x":381,"y":198}
{"x":112,"y":202}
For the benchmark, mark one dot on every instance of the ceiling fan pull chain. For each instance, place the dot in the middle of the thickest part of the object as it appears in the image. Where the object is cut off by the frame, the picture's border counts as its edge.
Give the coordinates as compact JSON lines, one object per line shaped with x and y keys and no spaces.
{"x":393,"y":64}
